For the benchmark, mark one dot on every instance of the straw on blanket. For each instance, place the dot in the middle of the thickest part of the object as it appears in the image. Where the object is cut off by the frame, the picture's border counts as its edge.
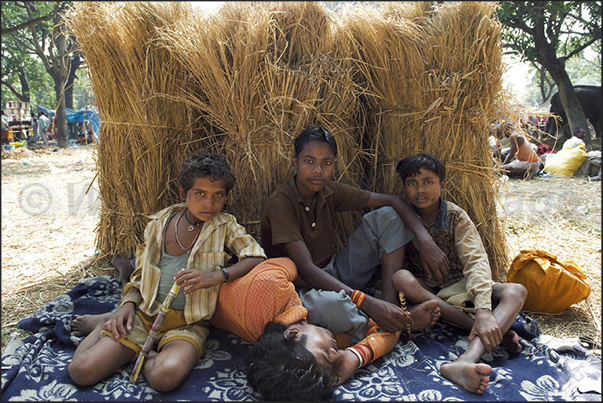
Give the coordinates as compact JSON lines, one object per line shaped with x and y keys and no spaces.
{"x":387,"y":81}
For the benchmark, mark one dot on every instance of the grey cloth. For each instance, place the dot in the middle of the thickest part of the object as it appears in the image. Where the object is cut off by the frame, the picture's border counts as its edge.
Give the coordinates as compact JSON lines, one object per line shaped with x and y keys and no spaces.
{"x":590,"y":167}
{"x":334,"y":311}
{"x":380,"y":230}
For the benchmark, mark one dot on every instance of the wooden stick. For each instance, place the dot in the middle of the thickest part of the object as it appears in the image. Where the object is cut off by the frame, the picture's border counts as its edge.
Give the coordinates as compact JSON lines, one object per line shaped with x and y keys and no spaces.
{"x":148,"y":345}
{"x":405,"y":309}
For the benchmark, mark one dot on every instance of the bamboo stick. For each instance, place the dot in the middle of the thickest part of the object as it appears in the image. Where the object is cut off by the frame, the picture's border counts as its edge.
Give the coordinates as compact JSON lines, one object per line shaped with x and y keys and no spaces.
{"x":148,"y":345}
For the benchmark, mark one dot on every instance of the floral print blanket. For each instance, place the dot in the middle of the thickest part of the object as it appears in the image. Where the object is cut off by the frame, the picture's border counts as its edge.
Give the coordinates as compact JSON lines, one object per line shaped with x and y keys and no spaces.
{"x":35,"y":368}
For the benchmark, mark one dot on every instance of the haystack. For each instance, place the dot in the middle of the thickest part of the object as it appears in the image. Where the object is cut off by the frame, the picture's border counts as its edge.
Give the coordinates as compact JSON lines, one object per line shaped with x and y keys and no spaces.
{"x":388,"y":81}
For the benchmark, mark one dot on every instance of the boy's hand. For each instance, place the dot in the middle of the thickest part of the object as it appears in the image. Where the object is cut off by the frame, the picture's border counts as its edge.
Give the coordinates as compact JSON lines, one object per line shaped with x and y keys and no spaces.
{"x":345,"y":366}
{"x":435,"y":262}
{"x":191,"y":280}
{"x":388,"y":316}
{"x":115,"y":325}
{"x":487,"y":329}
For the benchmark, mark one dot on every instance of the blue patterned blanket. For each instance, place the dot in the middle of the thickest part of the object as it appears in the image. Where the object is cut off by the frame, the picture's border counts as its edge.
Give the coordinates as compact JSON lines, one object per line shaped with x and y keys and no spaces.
{"x":35,"y":368}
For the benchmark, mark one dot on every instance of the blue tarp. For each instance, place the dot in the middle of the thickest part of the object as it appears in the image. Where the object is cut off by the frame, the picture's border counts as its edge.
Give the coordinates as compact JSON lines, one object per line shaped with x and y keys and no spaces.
{"x":83,"y":115}
{"x":546,"y":369}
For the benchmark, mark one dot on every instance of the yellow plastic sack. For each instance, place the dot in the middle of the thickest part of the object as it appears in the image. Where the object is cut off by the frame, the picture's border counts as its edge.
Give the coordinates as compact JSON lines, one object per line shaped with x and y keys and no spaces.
{"x":553,"y":286}
{"x":566,"y":162}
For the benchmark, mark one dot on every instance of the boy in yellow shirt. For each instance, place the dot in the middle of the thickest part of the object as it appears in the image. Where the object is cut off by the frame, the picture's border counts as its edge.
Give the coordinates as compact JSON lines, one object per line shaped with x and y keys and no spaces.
{"x":191,"y":235}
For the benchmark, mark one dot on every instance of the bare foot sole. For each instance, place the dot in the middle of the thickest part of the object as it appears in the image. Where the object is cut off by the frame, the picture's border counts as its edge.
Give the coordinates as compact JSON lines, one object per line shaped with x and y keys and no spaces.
{"x":511,"y":342}
{"x":123,"y":266}
{"x":83,"y":325}
{"x":424,"y":315}
{"x":469,"y":375}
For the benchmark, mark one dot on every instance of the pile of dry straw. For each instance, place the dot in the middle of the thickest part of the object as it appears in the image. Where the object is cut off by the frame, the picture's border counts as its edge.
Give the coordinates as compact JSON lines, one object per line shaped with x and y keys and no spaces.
{"x":388,"y":81}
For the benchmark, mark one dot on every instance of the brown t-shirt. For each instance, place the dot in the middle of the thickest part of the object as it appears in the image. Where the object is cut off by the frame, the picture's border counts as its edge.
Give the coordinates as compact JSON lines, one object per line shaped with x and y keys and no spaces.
{"x":286,"y":218}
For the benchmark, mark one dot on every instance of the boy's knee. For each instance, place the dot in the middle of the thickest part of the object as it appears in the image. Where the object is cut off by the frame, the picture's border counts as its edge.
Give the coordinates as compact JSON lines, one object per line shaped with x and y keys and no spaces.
{"x":520,"y":291}
{"x":168,"y":377}
{"x":403,"y":280}
{"x":515,"y":292}
{"x":80,"y":373}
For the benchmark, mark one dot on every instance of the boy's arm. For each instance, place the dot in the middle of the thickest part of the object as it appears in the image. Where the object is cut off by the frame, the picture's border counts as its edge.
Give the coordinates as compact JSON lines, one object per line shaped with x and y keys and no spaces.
{"x":478,"y":275}
{"x":389,"y":316}
{"x":242,"y":267}
{"x":376,"y":344}
{"x":487,"y":328}
{"x":130,"y":292}
{"x":515,"y":142}
{"x":435,"y":262}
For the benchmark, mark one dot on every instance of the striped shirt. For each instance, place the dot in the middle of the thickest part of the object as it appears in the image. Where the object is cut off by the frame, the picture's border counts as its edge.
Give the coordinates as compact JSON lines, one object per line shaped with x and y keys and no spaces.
{"x":209,"y":254}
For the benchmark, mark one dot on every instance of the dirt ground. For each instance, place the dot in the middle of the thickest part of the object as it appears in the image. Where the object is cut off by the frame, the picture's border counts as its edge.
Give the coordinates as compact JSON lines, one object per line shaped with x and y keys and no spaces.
{"x":50,"y":213}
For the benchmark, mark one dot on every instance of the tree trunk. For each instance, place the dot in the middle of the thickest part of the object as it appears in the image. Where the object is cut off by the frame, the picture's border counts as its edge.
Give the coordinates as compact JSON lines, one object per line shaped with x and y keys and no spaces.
{"x":24,"y":87}
{"x":60,"y":79}
{"x":61,"y":115}
{"x":571,"y":106}
{"x":547,"y":57}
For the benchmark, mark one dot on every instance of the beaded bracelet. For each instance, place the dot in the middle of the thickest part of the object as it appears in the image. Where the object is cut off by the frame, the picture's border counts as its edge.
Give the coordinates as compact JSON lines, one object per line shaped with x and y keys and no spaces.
{"x":358,"y":298}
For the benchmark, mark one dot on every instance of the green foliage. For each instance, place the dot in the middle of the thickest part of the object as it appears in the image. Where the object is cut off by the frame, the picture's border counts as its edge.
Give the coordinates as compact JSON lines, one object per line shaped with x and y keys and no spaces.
{"x":22,"y":52}
{"x":567,"y":26}
{"x":82,"y":91}
{"x":581,"y":70}
{"x":553,"y":36}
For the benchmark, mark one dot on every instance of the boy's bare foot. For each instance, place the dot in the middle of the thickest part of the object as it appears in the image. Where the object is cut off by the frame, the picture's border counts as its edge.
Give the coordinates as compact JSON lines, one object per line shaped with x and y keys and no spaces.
{"x":470,"y":375}
{"x":123,"y":266}
{"x":511,"y":342}
{"x":83,"y":325}
{"x":425,"y":314}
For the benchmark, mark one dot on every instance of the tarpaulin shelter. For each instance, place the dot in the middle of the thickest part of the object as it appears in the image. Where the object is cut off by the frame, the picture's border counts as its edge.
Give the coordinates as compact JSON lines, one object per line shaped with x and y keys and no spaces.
{"x":83,"y":115}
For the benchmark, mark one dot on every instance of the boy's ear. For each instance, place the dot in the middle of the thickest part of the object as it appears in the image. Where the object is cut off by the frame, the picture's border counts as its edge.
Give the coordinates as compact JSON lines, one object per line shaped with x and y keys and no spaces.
{"x":181,"y":192}
{"x":294,"y":163}
{"x":443,"y":185}
{"x":291,"y":331}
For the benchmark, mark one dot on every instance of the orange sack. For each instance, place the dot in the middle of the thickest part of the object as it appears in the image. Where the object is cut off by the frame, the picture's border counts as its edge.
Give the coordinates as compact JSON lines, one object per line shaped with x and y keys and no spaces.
{"x":553,"y":286}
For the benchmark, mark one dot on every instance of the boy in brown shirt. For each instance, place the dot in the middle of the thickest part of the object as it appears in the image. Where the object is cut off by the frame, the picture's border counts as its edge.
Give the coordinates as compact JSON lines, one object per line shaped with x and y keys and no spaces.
{"x":298,"y":221}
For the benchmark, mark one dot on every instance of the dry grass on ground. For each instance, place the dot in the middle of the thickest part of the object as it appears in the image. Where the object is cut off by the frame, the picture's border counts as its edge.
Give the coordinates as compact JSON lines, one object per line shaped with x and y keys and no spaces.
{"x":48,"y":233}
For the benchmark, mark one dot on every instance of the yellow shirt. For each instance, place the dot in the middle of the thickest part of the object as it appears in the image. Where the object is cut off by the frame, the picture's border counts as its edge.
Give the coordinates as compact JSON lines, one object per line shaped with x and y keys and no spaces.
{"x":208,"y":254}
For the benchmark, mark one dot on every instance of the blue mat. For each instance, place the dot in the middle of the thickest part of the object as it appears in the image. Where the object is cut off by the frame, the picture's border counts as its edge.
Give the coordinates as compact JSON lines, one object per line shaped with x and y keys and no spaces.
{"x":35,"y":368}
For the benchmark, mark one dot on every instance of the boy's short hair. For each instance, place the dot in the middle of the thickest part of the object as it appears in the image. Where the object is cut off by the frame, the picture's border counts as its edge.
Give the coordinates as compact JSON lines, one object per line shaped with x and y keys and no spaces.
{"x":205,"y":164}
{"x":282,"y":369}
{"x":411,"y":166}
{"x":314,"y":133}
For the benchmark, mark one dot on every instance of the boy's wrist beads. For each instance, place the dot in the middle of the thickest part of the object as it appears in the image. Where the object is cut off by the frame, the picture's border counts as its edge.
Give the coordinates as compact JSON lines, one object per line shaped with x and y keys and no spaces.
{"x":358,"y":298}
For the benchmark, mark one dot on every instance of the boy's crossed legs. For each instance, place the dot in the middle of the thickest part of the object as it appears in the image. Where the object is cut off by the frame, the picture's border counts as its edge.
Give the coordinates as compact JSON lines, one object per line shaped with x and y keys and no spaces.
{"x":466,"y":371}
{"x":97,"y":358}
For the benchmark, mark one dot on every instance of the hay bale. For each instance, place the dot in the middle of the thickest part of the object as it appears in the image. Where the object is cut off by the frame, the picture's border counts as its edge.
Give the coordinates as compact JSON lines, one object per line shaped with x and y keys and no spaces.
{"x":257,"y":91}
{"x":388,"y":81}
{"x":432,"y":81}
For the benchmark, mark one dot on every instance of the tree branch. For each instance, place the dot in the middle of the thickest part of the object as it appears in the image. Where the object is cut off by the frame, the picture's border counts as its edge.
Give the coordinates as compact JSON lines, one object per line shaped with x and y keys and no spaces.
{"x":12,"y":89}
{"x":581,"y":47}
{"x":26,"y":24}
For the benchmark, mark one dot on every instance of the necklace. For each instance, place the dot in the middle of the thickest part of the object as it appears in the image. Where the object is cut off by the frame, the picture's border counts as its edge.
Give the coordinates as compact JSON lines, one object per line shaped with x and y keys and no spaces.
{"x":178,"y":240}
{"x":427,"y":225}
{"x":192,"y":224}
